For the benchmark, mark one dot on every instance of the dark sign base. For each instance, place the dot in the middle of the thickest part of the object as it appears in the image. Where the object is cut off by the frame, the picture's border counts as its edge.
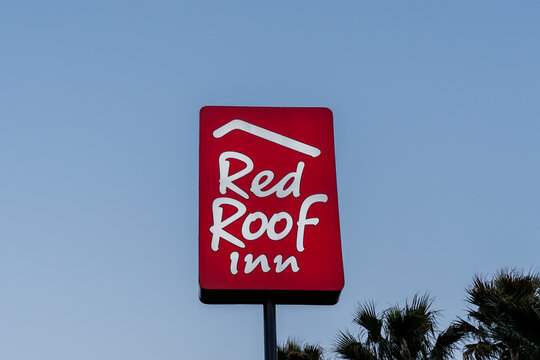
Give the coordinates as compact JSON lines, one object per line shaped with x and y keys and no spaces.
{"x":284,"y":297}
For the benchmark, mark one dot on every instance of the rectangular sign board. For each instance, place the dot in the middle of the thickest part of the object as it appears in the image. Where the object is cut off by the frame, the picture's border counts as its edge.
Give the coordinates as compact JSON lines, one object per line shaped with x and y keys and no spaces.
{"x":268,"y":207}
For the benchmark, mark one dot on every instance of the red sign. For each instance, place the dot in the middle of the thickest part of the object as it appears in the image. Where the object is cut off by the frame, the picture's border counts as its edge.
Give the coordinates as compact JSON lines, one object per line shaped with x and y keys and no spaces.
{"x":268,"y":209}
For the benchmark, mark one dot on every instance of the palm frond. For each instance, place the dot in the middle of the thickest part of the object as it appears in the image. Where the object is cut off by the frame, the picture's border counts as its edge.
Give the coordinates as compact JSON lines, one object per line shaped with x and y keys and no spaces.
{"x":506,"y":313}
{"x":480,"y":351}
{"x":446,"y":342}
{"x":314,"y":352}
{"x":367,"y":318}
{"x":347,"y":346}
{"x":294,"y":349}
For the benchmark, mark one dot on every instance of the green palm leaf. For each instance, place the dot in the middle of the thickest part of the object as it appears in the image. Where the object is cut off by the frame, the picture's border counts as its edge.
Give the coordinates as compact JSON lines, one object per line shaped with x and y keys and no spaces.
{"x":398,"y":333}
{"x":506,"y":316}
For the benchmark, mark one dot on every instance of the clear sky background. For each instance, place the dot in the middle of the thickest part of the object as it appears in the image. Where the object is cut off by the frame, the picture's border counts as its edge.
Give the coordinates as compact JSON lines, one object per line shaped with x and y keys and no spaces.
{"x":437,"y":128}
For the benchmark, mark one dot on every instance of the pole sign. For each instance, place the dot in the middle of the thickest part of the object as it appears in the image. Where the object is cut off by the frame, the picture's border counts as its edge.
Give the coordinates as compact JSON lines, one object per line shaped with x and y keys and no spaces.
{"x":268,"y":208}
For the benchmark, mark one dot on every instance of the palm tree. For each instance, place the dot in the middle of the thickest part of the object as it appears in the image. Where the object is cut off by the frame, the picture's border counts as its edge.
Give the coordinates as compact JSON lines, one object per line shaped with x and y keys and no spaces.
{"x":398,"y":333}
{"x":293,"y":349}
{"x":505,"y":321}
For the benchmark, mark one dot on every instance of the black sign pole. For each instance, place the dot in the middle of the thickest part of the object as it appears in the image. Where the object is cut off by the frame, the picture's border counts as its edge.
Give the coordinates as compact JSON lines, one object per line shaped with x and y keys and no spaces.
{"x":270,"y":339}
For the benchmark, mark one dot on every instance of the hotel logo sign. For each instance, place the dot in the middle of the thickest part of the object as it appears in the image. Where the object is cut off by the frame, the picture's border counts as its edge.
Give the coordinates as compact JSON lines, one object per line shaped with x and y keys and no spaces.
{"x":268,"y":210}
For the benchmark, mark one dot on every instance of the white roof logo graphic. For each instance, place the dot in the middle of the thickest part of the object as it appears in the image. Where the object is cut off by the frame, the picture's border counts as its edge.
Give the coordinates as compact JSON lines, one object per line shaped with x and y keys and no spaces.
{"x":279,"y":139}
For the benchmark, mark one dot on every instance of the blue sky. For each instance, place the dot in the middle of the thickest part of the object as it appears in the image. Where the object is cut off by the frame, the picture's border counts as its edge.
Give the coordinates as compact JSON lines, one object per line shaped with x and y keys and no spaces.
{"x":437,"y":127}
